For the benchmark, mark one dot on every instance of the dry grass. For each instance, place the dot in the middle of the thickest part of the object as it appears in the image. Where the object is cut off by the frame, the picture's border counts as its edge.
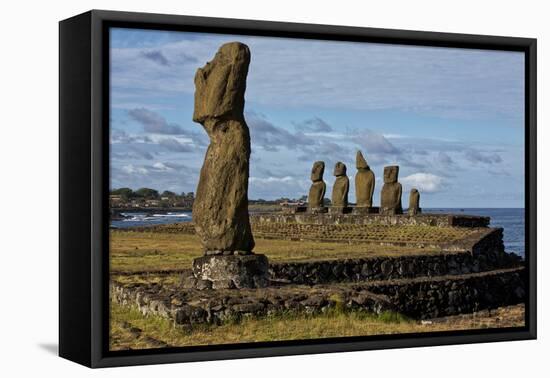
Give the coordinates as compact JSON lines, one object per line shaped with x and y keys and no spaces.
{"x":357,"y":233}
{"x":142,"y":251}
{"x":263,"y":208}
{"x":146,"y":278}
{"x":131,"y":330}
{"x":133,"y":251}
{"x":408,"y":234}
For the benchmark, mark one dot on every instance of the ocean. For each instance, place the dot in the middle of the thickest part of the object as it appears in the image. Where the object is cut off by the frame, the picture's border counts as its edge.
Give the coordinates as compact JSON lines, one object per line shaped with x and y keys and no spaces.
{"x":512,"y":220}
{"x":135,"y":219}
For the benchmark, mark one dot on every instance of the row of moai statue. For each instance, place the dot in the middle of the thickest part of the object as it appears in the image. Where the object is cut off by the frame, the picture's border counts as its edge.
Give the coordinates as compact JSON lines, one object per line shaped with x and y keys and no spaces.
{"x":390,"y":196}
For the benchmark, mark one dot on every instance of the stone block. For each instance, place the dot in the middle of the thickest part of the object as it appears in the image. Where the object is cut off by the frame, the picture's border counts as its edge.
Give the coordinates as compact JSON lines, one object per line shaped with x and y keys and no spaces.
{"x":234,"y":271}
{"x":318,"y":210}
{"x":365,"y":210}
{"x":339,"y":210}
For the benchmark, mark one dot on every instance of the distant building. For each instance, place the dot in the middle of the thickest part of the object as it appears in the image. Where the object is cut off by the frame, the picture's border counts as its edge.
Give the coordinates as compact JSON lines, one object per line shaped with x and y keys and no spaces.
{"x":152,"y":203}
{"x":292,"y":203}
{"x":122,"y":201}
{"x":116,"y":200}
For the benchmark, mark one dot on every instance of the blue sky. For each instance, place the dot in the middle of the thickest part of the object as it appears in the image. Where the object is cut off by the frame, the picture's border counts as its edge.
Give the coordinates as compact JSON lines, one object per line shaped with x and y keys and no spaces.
{"x":452,"y":119}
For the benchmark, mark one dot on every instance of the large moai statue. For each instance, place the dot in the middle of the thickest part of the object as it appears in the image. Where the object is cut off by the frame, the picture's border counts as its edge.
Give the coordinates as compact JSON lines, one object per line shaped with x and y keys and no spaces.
{"x":414,"y":202}
{"x":390,"y":198}
{"x":220,"y":210}
{"x":341,"y":186}
{"x":318,"y":187}
{"x":364,"y":182}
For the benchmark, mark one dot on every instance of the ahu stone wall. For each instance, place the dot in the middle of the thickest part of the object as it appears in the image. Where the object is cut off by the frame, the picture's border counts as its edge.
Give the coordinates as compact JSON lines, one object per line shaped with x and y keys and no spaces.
{"x":420,"y":298}
{"x":450,"y":295}
{"x":438,"y":220}
{"x":477,"y":253}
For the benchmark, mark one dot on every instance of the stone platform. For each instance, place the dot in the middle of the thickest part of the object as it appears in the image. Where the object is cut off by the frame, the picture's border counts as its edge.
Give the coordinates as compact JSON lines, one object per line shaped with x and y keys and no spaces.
{"x":388,"y":268}
{"x":442,"y":265}
{"x":357,"y":218}
{"x":444,"y":238}
{"x":420,"y":298}
{"x":478,"y":276}
{"x":438,"y":220}
{"x":228,"y":272}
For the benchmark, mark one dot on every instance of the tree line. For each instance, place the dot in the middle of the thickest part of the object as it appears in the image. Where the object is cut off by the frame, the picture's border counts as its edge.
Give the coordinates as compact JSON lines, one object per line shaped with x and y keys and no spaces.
{"x":148,"y":193}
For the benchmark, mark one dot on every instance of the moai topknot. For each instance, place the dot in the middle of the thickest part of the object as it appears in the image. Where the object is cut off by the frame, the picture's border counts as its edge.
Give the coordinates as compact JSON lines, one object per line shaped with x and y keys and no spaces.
{"x":390,"y":198}
{"x":318,"y":187}
{"x":364,"y":182}
{"x":341,"y":186}
{"x":414,"y":202}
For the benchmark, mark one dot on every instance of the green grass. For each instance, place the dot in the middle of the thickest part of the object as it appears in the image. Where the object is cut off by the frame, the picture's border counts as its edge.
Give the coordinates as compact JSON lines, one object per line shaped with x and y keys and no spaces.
{"x":126,"y":321}
{"x":155,"y":251}
{"x":131,"y":330}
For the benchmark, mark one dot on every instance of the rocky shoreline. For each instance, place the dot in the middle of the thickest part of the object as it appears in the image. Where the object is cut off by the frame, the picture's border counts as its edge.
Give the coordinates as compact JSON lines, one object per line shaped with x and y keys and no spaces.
{"x":116,"y":213}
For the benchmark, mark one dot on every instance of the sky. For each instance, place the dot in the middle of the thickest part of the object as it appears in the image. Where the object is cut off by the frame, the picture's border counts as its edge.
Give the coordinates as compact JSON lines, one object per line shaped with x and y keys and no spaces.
{"x":452,"y":119}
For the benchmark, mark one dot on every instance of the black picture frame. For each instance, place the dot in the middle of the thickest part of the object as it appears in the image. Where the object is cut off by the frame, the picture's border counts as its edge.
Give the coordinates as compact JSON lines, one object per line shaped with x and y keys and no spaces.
{"x":84,"y":178}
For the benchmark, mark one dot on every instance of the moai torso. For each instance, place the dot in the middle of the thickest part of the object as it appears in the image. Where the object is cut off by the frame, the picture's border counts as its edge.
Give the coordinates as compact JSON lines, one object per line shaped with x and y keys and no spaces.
{"x":414,"y":202}
{"x":220,"y":210}
{"x":341,"y":186}
{"x":390,"y":197}
{"x":364,"y":182}
{"x":318,"y":187}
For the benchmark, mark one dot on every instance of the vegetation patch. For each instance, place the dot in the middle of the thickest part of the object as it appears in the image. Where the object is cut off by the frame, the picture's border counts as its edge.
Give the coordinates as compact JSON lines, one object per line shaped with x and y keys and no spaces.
{"x":132,"y":251}
{"x":131,"y":330}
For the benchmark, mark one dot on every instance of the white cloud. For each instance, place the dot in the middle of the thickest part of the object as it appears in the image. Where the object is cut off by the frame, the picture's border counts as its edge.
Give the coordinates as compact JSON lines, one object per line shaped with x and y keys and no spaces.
{"x":395,"y":136}
{"x":455,"y":83}
{"x":270,"y":180}
{"x":162,"y":167}
{"x":424,"y":182}
{"x":374,"y":142}
{"x":132,"y":169}
{"x":328,"y":135}
{"x":277,"y":187}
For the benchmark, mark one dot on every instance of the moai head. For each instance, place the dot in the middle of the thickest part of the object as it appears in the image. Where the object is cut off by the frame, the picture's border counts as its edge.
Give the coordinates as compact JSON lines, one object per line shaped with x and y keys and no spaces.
{"x":340,"y":169}
{"x":317,"y":171}
{"x":414,"y":192}
{"x":221,"y":83}
{"x":360,"y":162}
{"x":390,"y":174}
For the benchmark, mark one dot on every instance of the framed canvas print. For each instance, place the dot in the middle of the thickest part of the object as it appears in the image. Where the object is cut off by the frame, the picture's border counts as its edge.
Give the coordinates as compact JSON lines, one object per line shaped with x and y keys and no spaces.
{"x":233,"y":188}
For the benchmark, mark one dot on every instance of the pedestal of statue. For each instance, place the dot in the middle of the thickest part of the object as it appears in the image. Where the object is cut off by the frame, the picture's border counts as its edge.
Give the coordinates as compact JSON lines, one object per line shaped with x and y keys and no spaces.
{"x":232,"y":271}
{"x":318,"y":210}
{"x":339,"y":210}
{"x":366,"y":210}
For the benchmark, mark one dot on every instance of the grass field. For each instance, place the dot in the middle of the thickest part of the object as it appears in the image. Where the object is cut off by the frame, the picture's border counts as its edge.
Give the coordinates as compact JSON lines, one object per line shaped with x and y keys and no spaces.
{"x":340,"y":233}
{"x":131,"y":330}
{"x":154,"y":251}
